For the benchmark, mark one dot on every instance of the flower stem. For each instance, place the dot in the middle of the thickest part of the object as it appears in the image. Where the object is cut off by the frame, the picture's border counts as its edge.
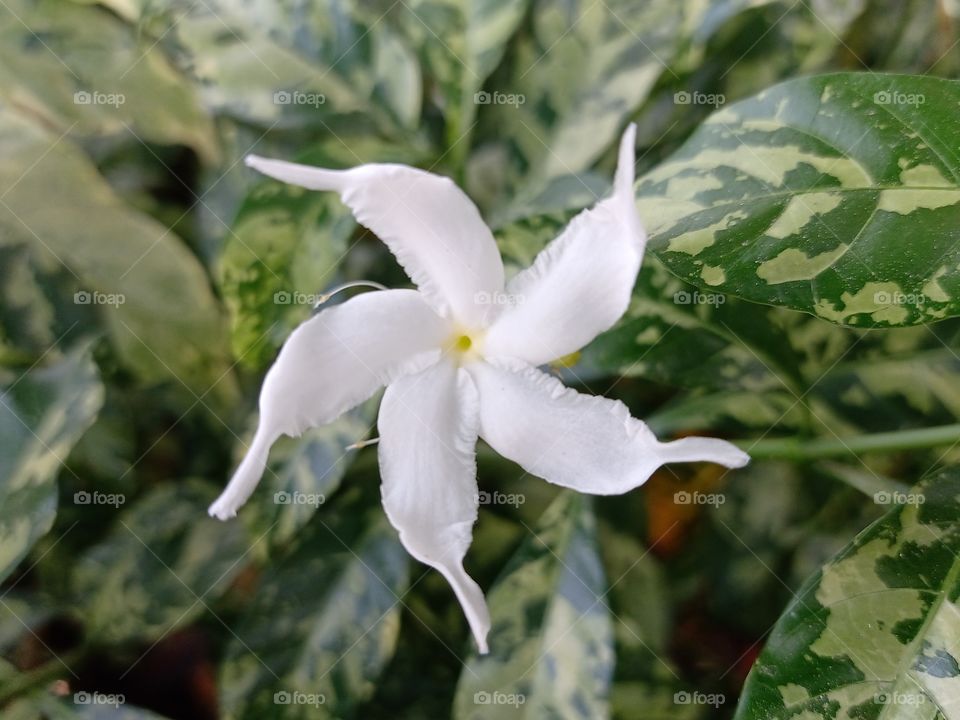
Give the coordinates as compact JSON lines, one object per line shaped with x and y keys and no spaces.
{"x":799,"y":449}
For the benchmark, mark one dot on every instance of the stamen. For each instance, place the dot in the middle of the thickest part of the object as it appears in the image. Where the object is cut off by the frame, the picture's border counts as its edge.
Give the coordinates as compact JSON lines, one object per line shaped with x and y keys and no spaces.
{"x":463,"y":343}
{"x":567,"y":361}
{"x":360,"y":444}
{"x":346,"y":286}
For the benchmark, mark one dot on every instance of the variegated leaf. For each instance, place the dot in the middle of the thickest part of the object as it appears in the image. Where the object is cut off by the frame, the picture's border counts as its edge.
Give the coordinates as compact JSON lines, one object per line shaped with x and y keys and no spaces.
{"x":292,"y":65}
{"x":574,"y":80}
{"x":460,"y":44}
{"x":837,"y":195}
{"x":282,"y":254}
{"x":83,"y":71}
{"x":551,"y":642}
{"x":42,"y":414}
{"x":150,"y":291}
{"x":162,"y":564}
{"x":875,"y":633}
{"x":324,"y":621}
{"x":303,"y":474}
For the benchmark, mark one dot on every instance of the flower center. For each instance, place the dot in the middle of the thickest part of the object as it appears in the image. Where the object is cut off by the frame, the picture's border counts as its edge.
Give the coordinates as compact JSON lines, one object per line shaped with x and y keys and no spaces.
{"x":464,"y":346}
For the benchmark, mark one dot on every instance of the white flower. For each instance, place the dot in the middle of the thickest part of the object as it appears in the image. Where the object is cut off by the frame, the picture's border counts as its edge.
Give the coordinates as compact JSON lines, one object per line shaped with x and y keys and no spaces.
{"x":458,"y":364}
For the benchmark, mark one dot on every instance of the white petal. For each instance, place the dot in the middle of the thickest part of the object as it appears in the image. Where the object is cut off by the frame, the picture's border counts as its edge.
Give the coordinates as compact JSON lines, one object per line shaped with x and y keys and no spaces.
{"x":331,"y":363}
{"x":428,"y":437}
{"x":580,"y":284}
{"x":431,"y":226}
{"x":584,"y":442}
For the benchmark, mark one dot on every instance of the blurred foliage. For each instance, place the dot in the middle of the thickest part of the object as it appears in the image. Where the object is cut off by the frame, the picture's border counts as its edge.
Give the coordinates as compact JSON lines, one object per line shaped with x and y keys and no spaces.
{"x":799,"y":171}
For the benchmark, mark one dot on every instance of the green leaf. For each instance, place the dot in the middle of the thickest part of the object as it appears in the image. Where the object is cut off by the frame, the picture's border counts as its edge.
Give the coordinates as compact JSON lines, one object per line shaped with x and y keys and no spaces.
{"x":84,"y":71}
{"x":874,"y":633}
{"x":300,"y":65}
{"x":890,"y":393}
{"x":671,"y":333}
{"x":461,"y":43}
{"x":162,"y":564}
{"x":739,"y":409}
{"x":640,"y":604}
{"x":44,"y":706}
{"x":147,"y":287}
{"x":324,"y":622}
{"x":551,"y":640}
{"x":802,"y":197}
{"x":573,"y":82}
{"x":26,"y":315}
{"x":42,"y":414}
{"x":303,"y":473}
{"x":283,"y":252}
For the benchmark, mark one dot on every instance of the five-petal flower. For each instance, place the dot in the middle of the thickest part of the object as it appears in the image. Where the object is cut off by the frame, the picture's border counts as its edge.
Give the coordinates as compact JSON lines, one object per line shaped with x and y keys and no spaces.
{"x":459,"y":360}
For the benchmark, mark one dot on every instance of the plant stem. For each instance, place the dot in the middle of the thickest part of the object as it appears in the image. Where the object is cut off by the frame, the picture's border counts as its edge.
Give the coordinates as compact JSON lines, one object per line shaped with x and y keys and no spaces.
{"x":798,"y":449}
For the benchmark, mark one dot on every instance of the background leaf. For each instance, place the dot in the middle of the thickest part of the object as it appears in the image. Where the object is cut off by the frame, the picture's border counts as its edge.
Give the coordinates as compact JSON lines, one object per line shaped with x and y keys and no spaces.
{"x":152,"y":294}
{"x":163,"y":563}
{"x":873,"y":634}
{"x":42,"y":414}
{"x":551,"y":640}
{"x":324,"y":621}
{"x":803,"y":195}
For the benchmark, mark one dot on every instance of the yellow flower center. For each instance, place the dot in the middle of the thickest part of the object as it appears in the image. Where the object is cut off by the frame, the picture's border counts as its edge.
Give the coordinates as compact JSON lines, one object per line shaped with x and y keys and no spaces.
{"x":464,"y":346}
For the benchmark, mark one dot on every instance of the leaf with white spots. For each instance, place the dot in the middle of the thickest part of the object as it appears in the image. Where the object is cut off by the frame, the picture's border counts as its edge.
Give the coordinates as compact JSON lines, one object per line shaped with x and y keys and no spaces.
{"x":874,"y":633}
{"x":551,"y":641}
{"x":838,"y":195}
